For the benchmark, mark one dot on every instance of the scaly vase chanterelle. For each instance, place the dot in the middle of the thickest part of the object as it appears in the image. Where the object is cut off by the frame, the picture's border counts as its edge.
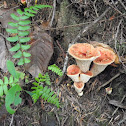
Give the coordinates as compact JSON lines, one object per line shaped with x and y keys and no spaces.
{"x":85,"y":54}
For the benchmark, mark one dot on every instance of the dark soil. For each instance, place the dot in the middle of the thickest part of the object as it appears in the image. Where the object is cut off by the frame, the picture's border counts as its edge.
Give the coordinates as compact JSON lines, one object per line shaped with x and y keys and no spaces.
{"x":95,"y":107}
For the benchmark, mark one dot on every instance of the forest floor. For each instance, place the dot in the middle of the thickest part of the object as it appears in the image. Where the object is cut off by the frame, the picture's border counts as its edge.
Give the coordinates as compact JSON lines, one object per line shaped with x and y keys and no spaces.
{"x":80,"y":21}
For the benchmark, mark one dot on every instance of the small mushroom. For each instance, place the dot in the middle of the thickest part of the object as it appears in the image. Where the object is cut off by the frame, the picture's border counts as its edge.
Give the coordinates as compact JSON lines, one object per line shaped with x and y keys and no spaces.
{"x":73,"y":72}
{"x":79,"y":87}
{"x":107,"y":57}
{"x":84,"y":54}
{"x":79,"y":77}
{"x":84,"y":77}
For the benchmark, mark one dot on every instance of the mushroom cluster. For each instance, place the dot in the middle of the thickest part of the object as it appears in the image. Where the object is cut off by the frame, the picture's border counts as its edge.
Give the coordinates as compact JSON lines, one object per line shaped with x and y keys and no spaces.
{"x":85,"y":54}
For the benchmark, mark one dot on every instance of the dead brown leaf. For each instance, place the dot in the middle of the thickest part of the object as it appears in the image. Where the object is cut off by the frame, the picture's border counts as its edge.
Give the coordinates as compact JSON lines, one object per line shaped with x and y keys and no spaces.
{"x":41,"y":52}
{"x":5,"y":16}
{"x":3,"y":54}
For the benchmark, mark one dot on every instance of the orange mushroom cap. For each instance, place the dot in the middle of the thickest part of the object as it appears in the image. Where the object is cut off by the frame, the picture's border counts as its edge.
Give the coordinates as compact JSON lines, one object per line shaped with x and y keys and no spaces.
{"x":97,"y":44}
{"x":83,"y":51}
{"x":79,"y":84}
{"x":84,"y":77}
{"x":88,"y":73}
{"x":73,"y":72}
{"x":79,"y":87}
{"x":73,"y":69}
{"x":107,"y":56}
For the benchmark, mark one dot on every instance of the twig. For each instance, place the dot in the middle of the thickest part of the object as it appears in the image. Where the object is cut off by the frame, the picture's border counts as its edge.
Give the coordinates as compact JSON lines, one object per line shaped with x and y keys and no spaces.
{"x":123,"y":120}
{"x":116,"y":109}
{"x":77,"y":37}
{"x":117,"y":10}
{"x":117,"y":75}
{"x":90,"y":25}
{"x":63,"y":121}
{"x":53,"y":15}
{"x":116,"y":42}
{"x":2,"y":35}
{"x":122,"y":4}
{"x":71,"y":98}
{"x":64,"y":68}
{"x":8,"y":11}
{"x":57,"y":117}
{"x":60,"y":48}
{"x":67,"y":26}
{"x":95,"y":8}
{"x":92,"y":86}
{"x":117,"y":34}
{"x":12,"y":118}
{"x":75,"y":25}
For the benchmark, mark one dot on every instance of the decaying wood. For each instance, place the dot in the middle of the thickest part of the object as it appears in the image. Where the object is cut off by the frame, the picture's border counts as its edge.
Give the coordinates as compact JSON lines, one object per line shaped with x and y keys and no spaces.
{"x":41,"y":52}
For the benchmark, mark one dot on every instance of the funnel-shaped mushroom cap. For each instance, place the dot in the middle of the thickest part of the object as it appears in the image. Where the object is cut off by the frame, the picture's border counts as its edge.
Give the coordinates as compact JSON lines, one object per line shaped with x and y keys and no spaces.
{"x":73,"y":72}
{"x":107,"y":57}
{"x":79,"y":87}
{"x":84,"y":77}
{"x":84,"y":54}
{"x":97,"y":44}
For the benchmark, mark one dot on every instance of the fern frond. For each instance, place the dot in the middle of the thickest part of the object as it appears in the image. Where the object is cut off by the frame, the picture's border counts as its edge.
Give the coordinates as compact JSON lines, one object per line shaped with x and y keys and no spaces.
{"x":21,"y":29}
{"x":4,"y":84}
{"x":47,"y":79}
{"x":56,"y":69}
{"x":43,"y":78}
{"x":45,"y":93}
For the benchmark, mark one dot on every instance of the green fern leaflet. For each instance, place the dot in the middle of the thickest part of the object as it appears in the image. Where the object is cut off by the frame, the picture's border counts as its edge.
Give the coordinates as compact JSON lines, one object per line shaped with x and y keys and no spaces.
{"x":56,"y":69}
{"x":45,"y":93}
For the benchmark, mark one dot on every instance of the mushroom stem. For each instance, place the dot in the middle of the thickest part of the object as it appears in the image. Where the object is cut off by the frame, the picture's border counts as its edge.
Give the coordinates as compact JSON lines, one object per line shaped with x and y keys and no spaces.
{"x":84,"y":77}
{"x":107,"y":57}
{"x":84,"y":65}
{"x":79,"y":87}
{"x":97,"y":69}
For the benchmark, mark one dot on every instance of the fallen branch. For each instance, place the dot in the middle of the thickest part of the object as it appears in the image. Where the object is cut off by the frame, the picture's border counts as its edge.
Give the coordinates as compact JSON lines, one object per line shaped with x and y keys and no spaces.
{"x":117,"y":75}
